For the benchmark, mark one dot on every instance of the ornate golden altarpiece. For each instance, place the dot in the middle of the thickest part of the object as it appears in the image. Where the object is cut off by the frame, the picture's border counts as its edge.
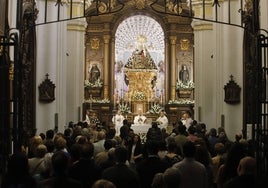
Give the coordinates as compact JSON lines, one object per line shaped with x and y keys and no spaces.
{"x":179,"y":40}
{"x":140,"y":72}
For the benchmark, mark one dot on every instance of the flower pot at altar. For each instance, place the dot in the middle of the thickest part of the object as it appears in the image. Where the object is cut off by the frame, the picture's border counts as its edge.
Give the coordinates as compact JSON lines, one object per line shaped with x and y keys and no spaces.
{"x":184,"y":93}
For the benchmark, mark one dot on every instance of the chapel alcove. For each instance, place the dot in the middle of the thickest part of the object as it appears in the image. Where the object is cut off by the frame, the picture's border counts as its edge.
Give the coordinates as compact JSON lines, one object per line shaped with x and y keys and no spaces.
{"x":140,"y":54}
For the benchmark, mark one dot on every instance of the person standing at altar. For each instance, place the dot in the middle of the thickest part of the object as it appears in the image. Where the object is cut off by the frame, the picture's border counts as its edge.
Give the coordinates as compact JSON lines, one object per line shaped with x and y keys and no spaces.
{"x":140,"y":118}
{"x":186,"y":119}
{"x":117,"y":120}
{"x":162,"y":120}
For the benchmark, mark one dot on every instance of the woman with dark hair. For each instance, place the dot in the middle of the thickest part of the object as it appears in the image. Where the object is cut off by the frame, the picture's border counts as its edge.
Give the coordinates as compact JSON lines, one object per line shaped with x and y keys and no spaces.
{"x":18,"y":173}
{"x":154,"y":133}
{"x":135,"y":150}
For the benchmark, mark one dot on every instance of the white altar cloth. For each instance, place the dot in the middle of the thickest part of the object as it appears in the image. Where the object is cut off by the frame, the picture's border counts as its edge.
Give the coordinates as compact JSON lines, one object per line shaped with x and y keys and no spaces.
{"x":140,"y":128}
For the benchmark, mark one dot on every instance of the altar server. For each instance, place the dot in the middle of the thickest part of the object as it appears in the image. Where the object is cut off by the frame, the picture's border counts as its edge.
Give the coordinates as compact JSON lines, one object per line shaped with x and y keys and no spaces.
{"x":117,"y":120}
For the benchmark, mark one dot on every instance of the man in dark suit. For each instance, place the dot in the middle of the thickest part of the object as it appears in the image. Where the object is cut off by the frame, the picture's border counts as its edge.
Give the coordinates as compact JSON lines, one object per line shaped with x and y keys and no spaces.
{"x":85,"y":170}
{"x":151,"y":165}
{"x":120,"y":174}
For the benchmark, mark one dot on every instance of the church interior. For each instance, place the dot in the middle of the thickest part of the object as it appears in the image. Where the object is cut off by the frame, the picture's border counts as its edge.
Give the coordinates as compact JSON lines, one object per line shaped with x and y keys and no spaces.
{"x":61,"y":60}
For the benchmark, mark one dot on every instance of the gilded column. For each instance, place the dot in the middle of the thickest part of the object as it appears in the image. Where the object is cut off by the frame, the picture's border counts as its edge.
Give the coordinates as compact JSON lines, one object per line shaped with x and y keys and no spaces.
{"x":173,"y":66}
{"x":112,"y":70}
{"x":106,"y":39}
{"x":167,"y":81}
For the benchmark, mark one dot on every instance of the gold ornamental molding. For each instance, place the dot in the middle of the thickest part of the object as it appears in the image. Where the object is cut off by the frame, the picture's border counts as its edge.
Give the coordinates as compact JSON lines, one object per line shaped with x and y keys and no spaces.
{"x":203,"y":27}
{"x":184,"y":44}
{"x":106,"y":92}
{"x":95,"y":43}
{"x":173,"y":39}
{"x":11,"y":71}
{"x":76,"y":27}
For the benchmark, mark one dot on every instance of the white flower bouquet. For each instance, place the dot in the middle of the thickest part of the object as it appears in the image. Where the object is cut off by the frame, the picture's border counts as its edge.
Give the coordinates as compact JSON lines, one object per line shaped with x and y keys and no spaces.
{"x":181,"y":101}
{"x":124,"y":107}
{"x":97,"y":83}
{"x":100,"y":101}
{"x":188,"y":85}
{"x":155,"y":109}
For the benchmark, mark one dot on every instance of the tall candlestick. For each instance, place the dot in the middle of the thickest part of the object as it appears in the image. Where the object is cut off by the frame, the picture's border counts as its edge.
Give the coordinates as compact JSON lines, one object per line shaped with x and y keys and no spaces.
{"x":90,"y":103}
{"x":114,"y":100}
{"x":161,"y":98}
{"x":130,"y":102}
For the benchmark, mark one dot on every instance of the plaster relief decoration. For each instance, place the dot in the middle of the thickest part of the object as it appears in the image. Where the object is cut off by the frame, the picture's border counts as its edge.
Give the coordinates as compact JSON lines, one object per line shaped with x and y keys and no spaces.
{"x":184,"y":44}
{"x":232,"y":92}
{"x":47,"y":90}
{"x":95,"y":43}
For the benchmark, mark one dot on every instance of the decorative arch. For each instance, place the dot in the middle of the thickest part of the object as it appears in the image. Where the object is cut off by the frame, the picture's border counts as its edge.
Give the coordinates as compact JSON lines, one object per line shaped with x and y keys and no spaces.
{"x":134,"y":35}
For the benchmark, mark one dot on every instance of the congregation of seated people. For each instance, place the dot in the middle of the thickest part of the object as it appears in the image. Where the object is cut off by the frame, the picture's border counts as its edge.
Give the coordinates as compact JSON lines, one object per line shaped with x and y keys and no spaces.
{"x":85,"y":156}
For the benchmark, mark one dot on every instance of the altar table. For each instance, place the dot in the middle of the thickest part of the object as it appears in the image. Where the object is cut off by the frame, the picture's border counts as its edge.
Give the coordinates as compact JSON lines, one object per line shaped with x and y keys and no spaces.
{"x":140,"y":128}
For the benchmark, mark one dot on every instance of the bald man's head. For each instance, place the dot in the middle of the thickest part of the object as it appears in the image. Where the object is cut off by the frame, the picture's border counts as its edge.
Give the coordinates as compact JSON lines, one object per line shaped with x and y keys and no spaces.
{"x":247,"y":165}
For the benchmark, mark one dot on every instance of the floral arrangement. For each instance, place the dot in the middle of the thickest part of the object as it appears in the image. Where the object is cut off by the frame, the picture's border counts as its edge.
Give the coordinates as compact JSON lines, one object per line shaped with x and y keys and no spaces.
{"x":97,"y":83}
{"x":181,"y":101}
{"x":124,"y":108}
{"x":155,"y":109}
{"x":187,"y":85}
{"x":100,"y":101}
{"x":138,"y":96}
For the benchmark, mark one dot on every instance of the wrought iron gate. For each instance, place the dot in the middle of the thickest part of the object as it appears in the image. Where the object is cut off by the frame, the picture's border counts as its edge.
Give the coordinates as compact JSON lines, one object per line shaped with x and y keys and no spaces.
{"x":173,"y":7}
{"x":260,"y":129}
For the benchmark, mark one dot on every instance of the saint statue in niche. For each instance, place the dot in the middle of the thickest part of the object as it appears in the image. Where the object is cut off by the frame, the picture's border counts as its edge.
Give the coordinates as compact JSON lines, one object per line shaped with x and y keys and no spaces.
{"x":153,"y":82}
{"x":184,"y":74}
{"x":94,"y":73}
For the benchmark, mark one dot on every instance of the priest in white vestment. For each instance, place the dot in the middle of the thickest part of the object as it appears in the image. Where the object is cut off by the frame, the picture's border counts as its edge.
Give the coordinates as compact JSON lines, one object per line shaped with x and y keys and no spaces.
{"x":162,"y":120}
{"x":140,"y":118}
{"x":117,"y":120}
